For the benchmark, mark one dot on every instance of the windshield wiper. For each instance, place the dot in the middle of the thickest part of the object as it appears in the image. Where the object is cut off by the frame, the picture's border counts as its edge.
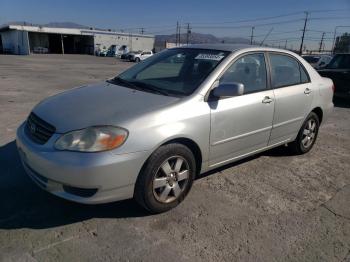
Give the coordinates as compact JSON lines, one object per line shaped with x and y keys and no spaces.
{"x":123,"y":82}
{"x":149,"y":87}
{"x":139,"y":86}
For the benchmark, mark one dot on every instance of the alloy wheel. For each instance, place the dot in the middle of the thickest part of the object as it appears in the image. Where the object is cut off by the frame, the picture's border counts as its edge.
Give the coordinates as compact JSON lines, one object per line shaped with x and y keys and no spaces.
{"x":309,"y":133}
{"x":171,"y":179}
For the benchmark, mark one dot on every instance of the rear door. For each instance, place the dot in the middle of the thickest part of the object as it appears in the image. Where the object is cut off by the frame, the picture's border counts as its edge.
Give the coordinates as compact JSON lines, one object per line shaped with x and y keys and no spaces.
{"x":242,"y":124}
{"x":293,"y":96}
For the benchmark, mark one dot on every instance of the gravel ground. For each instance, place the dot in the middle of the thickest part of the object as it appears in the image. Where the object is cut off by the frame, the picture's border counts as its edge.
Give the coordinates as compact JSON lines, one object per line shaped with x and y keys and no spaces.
{"x":270,"y":207}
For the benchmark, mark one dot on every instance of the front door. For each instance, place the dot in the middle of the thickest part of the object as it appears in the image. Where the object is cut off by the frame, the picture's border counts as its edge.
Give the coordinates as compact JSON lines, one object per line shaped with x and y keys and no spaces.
{"x":242,"y":124}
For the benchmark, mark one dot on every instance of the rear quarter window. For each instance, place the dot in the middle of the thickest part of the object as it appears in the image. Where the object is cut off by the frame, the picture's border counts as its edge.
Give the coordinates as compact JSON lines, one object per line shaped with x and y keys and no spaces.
{"x":304,"y":76}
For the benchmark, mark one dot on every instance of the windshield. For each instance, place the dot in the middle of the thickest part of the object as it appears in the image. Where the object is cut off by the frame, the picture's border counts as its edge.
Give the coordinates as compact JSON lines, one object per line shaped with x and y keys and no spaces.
{"x":177,"y":72}
{"x":311,"y":59}
{"x":339,"y":62}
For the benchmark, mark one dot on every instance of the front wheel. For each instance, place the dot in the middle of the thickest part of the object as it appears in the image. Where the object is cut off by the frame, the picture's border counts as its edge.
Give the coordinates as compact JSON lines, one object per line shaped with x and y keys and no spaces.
{"x":307,"y":135}
{"x":137,"y":60}
{"x":166,"y":178}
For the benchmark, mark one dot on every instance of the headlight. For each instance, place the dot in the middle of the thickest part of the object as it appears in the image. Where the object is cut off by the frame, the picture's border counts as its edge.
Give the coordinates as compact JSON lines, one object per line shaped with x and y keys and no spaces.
{"x":92,"y":139}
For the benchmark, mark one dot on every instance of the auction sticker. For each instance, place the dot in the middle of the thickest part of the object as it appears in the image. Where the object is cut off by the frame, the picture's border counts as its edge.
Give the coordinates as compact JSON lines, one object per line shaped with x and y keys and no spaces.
{"x":209,"y":57}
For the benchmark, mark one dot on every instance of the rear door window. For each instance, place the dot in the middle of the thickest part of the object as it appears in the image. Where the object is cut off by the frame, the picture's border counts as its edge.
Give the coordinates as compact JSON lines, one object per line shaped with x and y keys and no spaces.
{"x":285,"y":71}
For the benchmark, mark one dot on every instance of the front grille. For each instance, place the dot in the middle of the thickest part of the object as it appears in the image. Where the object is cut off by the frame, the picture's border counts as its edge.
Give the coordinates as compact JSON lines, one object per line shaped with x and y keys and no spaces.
{"x":38,"y":130}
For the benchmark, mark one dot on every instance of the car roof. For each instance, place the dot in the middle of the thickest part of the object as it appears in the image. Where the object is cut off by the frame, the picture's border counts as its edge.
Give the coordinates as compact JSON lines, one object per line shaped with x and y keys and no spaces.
{"x":234,"y":47}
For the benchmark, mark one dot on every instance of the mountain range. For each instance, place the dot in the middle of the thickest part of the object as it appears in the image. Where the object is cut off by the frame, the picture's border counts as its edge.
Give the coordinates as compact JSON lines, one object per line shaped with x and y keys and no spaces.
{"x":199,"y":38}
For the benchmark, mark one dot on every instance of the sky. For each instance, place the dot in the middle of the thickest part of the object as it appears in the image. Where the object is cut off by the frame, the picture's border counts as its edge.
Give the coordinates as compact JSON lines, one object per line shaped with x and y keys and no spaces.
{"x":284,"y":18}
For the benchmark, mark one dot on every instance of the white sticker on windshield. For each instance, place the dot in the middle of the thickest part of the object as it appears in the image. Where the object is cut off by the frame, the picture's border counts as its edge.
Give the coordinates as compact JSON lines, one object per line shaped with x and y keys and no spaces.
{"x":209,"y":57}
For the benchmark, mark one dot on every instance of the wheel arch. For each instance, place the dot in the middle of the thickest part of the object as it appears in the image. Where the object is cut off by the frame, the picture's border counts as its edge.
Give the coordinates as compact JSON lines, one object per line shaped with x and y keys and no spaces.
{"x":193,"y":146}
{"x":318,"y":111}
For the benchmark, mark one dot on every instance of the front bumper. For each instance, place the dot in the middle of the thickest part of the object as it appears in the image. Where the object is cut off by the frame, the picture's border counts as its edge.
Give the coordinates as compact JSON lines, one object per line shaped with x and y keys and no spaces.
{"x":88,"y":178}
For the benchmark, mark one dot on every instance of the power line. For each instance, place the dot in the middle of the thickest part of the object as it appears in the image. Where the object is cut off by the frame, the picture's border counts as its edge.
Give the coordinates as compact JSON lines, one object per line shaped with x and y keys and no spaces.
{"x":251,"y":20}
{"x":283,"y":39}
{"x":278,"y":33}
{"x":270,"y":17}
{"x":163,"y":31}
{"x":254,"y":20}
{"x":329,"y":18}
{"x":319,"y":31}
{"x":298,"y":39}
{"x":328,"y":11}
{"x":249,"y":26}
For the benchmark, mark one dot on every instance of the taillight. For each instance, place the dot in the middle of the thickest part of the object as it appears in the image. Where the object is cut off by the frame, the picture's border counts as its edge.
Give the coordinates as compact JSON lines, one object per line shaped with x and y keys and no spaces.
{"x":333,"y":88}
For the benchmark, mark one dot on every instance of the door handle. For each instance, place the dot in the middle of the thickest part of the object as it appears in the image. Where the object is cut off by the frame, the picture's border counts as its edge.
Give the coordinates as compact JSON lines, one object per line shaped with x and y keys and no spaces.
{"x":307,"y":91}
{"x":267,"y":100}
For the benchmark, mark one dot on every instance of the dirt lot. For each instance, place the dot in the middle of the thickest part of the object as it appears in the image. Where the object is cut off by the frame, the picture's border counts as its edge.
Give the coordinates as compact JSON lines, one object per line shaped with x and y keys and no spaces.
{"x":271,"y":207}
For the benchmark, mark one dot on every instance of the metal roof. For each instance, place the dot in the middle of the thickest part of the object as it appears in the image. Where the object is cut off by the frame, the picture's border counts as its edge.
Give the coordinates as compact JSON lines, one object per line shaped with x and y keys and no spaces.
{"x":67,"y":31}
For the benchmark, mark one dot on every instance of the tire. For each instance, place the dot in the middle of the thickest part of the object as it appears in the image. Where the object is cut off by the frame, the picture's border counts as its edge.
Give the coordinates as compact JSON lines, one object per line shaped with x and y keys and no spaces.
{"x":307,"y":135}
{"x":137,"y":60}
{"x":166,"y":178}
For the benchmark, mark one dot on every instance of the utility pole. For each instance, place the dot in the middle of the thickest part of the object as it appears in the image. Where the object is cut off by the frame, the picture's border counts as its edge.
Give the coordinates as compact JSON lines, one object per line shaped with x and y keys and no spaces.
{"x":252,"y":35}
{"x":285,"y":45}
{"x":321,"y":43}
{"x":188,"y":33}
{"x":262,"y":42}
{"x":302,"y":38}
{"x":177,"y":33}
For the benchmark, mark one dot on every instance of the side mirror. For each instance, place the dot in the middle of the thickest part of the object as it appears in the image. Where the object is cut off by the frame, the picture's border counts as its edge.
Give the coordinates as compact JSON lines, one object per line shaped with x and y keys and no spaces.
{"x":228,"y":89}
{"x":322,"y":64}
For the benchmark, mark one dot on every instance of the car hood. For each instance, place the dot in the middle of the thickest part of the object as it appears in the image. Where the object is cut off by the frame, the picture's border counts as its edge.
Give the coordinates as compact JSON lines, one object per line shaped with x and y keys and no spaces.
{"x":99,"y":104}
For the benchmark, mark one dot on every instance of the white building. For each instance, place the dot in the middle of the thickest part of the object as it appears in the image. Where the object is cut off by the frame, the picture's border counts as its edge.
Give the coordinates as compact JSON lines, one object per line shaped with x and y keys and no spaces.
{"x":25,"y":39}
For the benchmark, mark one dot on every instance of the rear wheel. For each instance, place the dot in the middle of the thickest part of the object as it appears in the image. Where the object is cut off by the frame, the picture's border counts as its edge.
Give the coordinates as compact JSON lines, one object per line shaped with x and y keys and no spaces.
{"x":307,"y":135}
{"x":166,"y":178}
{"x":137,"y":60}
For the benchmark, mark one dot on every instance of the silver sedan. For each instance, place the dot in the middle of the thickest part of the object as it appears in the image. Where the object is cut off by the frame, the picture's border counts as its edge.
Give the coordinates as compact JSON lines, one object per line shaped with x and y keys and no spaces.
{"x":148,"y":132}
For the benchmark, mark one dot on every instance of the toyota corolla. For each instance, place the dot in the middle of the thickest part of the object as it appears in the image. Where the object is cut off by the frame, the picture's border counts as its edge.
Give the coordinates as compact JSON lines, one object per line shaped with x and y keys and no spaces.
{"x":148,"y":132}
